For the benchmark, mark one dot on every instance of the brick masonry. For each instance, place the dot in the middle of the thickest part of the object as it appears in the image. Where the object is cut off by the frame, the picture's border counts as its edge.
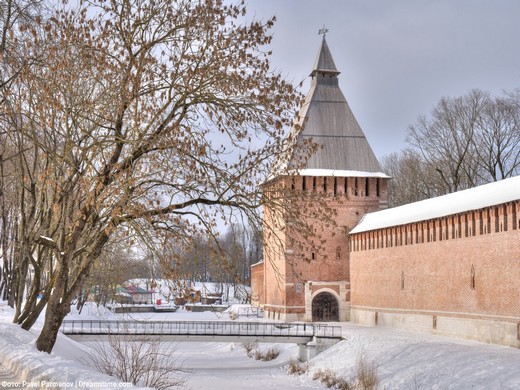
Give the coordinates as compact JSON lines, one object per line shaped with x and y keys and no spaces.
{"x":291,"y":276}
{"x":458,"y":275}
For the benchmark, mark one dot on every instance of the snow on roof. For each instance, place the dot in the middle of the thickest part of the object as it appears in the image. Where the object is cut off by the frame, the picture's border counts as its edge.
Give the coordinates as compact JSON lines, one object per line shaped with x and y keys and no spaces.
{"x":499,"y":192}
{"x":340,"y":173}
{"x":330,"y":173}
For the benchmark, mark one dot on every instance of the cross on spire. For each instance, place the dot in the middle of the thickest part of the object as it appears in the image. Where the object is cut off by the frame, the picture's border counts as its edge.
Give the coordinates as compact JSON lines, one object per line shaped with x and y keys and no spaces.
{"x":323,"y":31}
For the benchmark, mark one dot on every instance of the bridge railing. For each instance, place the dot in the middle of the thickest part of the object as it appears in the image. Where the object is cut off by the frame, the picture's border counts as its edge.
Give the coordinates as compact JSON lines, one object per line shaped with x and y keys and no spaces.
{"x":207,"y":328}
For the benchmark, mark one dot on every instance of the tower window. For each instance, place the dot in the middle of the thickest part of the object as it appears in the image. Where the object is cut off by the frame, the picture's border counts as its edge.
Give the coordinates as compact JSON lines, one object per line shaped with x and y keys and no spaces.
{"x":303,"y":183}
{"x":314,"y":183}
{"x":324,"y":184}
{"x":367,"y":187}
{"x":356,"y":186}
{"x":378,"y":187}
{"x":335,"y":186}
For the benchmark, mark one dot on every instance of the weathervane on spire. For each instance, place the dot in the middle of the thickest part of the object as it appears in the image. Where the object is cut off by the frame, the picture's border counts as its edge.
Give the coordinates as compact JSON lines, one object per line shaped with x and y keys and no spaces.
{"x":323,"y":31}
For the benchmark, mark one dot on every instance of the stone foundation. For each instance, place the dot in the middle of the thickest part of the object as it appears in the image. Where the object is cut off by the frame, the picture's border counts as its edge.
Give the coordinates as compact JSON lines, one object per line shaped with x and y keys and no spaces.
{"x":495,"y":330}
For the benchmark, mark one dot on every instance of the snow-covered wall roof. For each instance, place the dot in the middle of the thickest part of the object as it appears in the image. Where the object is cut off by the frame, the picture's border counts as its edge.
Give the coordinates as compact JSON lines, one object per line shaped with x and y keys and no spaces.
{"x":503,"y":191}
{"x":340,"y":173}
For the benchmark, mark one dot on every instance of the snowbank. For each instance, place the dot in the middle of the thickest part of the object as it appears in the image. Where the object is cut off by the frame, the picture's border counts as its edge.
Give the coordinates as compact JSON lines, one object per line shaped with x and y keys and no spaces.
{"x":404,"y":359}
{"x":40,"y":370}
{"x":414,"y":360}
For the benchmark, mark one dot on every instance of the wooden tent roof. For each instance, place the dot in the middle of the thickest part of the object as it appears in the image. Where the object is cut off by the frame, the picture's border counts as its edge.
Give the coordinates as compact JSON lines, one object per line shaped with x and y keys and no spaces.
{"x":328,"y":120}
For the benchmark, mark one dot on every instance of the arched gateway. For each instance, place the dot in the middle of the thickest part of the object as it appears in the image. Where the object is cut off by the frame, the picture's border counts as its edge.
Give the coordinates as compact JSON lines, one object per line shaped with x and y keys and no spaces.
{"x":325,"y":308}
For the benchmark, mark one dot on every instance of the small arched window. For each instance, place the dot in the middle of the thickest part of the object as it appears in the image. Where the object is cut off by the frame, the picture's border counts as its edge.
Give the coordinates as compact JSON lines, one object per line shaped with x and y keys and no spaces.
{"x":338,"y":253}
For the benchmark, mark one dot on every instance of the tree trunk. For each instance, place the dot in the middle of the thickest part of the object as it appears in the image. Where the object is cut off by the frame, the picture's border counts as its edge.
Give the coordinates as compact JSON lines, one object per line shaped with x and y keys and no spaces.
{"x":54,"y":316}
{"x":57,"y":308}
{"x":31,"y":313}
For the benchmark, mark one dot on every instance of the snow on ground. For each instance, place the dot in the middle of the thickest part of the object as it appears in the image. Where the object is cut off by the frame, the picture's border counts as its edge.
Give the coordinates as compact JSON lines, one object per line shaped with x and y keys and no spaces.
{"x":413,"y":360}
{"x":405,"y":359}
{"x":34,"y":369}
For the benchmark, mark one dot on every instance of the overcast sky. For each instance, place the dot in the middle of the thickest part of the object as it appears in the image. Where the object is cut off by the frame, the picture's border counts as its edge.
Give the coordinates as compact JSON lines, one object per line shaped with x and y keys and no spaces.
{"x":397,"y":58}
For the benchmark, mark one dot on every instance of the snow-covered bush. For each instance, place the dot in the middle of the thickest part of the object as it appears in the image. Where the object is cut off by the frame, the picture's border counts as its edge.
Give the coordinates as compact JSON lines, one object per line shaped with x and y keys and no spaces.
{"x":332,"y":380}
{"x":298,"y":368}
{"x":265,"y":356}
{"x":366,"y":373}
{"x":250,"y":347}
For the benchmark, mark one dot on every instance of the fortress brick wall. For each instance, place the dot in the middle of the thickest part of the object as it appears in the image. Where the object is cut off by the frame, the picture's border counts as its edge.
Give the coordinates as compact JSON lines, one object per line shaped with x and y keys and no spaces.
{"x":458,"y":275}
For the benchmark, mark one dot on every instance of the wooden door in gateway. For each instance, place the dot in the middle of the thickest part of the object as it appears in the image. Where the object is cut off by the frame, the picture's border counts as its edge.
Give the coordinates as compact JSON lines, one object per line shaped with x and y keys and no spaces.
{"x":325,"y":308}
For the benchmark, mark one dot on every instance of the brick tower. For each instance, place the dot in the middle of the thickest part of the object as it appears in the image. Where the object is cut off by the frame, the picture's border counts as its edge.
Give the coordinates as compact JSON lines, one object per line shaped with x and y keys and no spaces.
{"x":344,"y":174}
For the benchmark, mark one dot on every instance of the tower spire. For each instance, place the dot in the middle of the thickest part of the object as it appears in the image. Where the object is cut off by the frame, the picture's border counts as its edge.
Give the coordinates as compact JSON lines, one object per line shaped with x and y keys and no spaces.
{"x":324,"y":63}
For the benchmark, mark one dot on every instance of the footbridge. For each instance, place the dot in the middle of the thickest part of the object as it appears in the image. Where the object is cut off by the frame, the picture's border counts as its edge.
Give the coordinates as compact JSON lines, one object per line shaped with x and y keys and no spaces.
{"x":220,"y":331}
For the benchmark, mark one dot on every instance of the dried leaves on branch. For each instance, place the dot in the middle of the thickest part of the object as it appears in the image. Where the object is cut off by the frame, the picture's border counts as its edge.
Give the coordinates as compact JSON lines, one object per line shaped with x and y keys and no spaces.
{"x":138,"y":116}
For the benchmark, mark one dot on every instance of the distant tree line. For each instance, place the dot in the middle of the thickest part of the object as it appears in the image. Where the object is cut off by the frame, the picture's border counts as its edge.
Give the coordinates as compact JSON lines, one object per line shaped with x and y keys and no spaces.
{"x":227,"y":259}
{"x":465,"y":142}
{"x":224,"y":259}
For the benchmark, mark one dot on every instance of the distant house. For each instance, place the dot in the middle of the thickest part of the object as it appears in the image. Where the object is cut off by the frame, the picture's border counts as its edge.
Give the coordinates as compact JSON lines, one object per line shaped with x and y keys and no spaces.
{"x":134,"y":295}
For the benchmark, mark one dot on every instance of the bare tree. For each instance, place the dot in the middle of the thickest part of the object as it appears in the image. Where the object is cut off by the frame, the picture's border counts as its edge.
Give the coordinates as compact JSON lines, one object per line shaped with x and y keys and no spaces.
{"x":446,"y":141}
{"x":467,"y":141}
{"x":497,"y":138}
{"x":116,"y":264}
{"x":17,"y":19}
{"x":139,"y":116}
{"x":412,"y":179}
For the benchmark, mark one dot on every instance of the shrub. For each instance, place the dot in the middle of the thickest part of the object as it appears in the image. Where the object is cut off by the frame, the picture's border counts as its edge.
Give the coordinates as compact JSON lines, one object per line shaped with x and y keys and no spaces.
{"x":250,"y":347}
{"x":366,"y":376}
{"x":142,"y":361}
{"x":330,"y":379}
{"x":298,"y":368}
{"x":366,"y":372}
{"x":252,"y":350}
{"x":271,"y":354}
